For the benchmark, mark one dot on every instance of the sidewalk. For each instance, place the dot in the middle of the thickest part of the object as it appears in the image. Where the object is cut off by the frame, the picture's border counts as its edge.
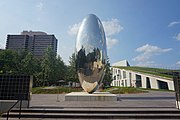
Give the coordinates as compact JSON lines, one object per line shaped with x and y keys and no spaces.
{"x":152,"y":99}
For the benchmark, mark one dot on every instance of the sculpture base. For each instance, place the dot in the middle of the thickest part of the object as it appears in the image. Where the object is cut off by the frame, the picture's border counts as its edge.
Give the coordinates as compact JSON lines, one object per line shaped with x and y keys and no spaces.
{"x":96,"y":96}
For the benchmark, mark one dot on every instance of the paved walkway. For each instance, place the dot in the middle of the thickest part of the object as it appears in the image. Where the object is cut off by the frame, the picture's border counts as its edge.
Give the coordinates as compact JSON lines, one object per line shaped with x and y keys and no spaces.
{"x":152,"y":99}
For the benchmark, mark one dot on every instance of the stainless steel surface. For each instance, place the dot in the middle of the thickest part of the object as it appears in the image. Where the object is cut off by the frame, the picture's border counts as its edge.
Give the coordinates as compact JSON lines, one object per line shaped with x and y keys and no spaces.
{"x":91,"y":53}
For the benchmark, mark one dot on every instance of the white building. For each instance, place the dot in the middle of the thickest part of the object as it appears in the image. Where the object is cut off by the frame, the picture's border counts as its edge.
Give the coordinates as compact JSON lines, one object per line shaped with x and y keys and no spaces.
{"x":121,"y":63}
{"x":128,"y":78}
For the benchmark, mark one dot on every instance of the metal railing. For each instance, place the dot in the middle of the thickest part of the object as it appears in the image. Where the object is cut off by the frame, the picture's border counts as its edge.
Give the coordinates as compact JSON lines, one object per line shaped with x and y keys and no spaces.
{"x":13,"y":107}
{"x":20,"y":99}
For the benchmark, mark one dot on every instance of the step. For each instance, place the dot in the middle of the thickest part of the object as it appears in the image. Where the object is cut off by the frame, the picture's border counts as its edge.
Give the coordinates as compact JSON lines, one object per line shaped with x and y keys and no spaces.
{"x":97,"y":116}
{"x":96,"y":113}
{"x":105,"y":110}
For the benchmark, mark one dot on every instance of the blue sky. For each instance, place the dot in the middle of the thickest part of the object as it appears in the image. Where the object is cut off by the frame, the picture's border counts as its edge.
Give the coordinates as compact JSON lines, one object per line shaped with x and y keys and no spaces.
{"x":144,"y":32}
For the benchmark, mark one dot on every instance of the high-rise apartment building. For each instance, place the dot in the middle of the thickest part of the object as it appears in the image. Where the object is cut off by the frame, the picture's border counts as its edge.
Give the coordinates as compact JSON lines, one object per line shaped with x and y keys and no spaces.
{"x":35,"y":42}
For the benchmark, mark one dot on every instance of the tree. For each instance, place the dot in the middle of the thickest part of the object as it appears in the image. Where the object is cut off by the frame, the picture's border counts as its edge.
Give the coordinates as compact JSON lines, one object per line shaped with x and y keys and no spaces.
{"x":53,"y":69}
{"x":31,"y":66}
{"x":46,"y":71}
{"x":61,"y":69}
{"x":8,"y":61}
{"x":108,"y":75}
{"x":72,"y":74}
{"x":28,"y":64}
{"x":48,"y":65}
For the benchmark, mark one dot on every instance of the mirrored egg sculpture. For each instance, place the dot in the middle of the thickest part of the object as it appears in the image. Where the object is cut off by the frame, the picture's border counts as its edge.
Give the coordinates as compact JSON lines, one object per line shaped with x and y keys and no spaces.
{"x":91,"y":53}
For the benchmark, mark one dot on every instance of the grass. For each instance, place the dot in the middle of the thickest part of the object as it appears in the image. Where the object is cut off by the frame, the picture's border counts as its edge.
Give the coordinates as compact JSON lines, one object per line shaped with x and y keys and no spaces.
{"x":163,"y":90}
{"x":124,"y":90}
{"x":56,"y":90}
{"x":113,"y":90}
{"x":61,"y":90}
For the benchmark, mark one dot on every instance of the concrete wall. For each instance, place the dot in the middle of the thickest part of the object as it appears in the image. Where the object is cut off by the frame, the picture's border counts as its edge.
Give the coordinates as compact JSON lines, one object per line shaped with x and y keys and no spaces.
{"x":130,"y":77}
{"x":5,"y":105}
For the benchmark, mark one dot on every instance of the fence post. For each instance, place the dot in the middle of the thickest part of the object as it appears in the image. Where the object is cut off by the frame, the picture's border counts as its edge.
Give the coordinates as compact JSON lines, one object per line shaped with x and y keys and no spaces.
{"x":176,"y":79}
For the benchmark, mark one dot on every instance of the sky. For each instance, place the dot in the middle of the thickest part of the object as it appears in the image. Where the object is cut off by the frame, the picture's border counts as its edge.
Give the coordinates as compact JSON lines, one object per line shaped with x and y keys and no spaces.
{"x":144,"y":32}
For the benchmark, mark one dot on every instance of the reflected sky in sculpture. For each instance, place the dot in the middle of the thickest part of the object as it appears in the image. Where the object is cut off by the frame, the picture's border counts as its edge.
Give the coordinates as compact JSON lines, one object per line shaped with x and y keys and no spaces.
{"x":91,"y":53}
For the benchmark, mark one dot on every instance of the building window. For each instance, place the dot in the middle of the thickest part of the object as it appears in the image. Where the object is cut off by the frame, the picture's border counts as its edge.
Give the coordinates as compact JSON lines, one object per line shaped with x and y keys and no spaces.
{"x":114,"y":77}
{"x":125,"y":83}
{"x":114,"y":71}
{"x":124,"y":74}
{"x":122,"y":83}
{"x":162,"y":85}
{"x":118,"y":76}
{"x":148,"y":84}
{"x":130,"y":79}
{"x":138,"y":81}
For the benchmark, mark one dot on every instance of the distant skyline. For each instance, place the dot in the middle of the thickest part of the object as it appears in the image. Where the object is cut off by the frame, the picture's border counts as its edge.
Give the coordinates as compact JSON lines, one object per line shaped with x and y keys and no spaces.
{"x":144,"y":32}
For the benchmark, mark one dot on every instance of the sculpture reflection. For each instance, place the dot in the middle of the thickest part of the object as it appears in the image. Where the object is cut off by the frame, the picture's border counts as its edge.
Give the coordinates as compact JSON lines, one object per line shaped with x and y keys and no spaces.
{"x":91,"y":53}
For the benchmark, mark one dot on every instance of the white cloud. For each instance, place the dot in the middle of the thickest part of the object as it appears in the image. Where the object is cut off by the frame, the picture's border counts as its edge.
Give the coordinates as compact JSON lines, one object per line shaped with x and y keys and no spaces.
{"x":151,"y":49}
{"x":173,"y":23}
{"x":142,"y":57}
{"x":73,"y":30}
{"x":111,"y":42}
{"x":177,"y":37}
{"x":147,"y":64}
{"x":147,"y":52}
{"x":178,"y":63}
{"x":40,"y":6}
{"x":1,"y":46}
{"x":111,"y":27}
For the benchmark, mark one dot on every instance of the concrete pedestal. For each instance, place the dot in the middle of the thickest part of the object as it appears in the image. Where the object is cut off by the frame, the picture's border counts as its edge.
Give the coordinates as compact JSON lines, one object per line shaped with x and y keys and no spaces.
{"x":96,"y":96}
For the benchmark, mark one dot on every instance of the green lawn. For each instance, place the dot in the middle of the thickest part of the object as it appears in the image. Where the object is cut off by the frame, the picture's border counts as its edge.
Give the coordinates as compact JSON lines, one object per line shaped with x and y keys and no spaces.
{"x":55,"y":90}
{"x":163,"y":90}
{"x":113,"y":90}
{"x":60,"y":90}
{"x":124,"y":90}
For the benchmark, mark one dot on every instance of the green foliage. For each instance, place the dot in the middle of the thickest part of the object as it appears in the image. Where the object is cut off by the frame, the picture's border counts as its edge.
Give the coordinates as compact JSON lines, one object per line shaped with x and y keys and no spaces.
{"x":61,"y":68}
{"x":29,"y":64}
{"x":72,"y":74}
{"x":45,"y":72}
{"x":8,"y":61}
{"x":108,"y":75}
{"x":124,"y":90}
{"x":56,"y":90}
{"x":163,"y":90}
{"x":53,"y":69}
{"x":13,"y":63}
{"x":48,"y":65}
